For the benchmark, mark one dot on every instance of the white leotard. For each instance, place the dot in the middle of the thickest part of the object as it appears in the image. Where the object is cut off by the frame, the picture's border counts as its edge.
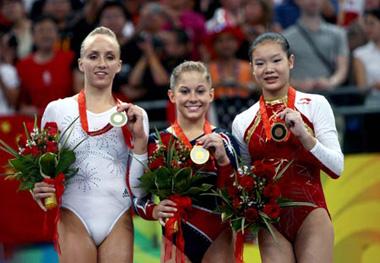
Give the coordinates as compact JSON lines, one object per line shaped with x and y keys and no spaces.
{"x":98,"y":193}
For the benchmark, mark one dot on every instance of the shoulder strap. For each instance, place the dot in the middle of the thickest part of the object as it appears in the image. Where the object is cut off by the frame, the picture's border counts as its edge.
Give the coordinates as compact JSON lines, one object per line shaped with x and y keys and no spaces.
{"x":319,"y":54}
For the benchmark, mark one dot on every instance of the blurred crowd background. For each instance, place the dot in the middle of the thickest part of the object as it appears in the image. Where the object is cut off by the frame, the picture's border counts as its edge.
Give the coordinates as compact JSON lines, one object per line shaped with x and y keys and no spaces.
{"x":336,"y":44}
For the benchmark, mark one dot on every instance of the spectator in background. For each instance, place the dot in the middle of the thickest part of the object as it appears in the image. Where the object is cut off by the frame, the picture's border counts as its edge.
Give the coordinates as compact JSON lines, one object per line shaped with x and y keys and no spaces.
{"x":320,"y":48}
{"x":20,"y":25}
{"x":83,"y":24}
{"x":148,"y":78}
{"x":371,"y":4}
{"x":367,"y":58}
{"x":231,"y":76}
{"x":228,"y":14}
{"x":350,"y":11}
{"x":9,"y":81}
{"x":46,"y":74}
{"x":286,"y":13}
{"x":182,"y":16}
{"x":62,"y":12}
{"x":257,"y":19}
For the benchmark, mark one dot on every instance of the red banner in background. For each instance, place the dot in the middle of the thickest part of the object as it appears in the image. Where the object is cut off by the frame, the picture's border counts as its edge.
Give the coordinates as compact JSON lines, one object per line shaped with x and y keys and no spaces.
{"x":21,"y":219}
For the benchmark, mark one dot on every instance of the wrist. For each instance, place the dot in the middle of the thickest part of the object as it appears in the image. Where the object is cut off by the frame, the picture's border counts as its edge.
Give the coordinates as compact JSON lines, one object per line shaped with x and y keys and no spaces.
{"x":140,"y":145}
{"x":308,"y":141}
{"x":223,"y":161}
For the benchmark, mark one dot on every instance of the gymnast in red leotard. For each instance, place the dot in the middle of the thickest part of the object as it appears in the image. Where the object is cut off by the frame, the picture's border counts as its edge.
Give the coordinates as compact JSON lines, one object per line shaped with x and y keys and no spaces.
{"x":290,"y":125}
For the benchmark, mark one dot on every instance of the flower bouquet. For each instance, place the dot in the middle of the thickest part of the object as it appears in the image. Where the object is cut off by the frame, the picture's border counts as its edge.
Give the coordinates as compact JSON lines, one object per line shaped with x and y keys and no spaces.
{"x":172,"y":175}
{"x":253,"y":200}
{"x":39,"y":158}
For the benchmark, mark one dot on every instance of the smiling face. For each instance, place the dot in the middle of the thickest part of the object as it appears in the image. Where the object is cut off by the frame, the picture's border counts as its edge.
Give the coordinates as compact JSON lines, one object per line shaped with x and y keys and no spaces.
{"x":100,"y":61}
{"x":271,"y":68}
{"x":192,"y":95}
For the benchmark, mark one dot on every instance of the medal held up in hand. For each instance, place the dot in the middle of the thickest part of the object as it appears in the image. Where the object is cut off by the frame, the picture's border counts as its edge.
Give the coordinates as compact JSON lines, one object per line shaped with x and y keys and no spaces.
{"x":279,"y":131}
{"x":118,"y":119}
{"x":199,"y":155}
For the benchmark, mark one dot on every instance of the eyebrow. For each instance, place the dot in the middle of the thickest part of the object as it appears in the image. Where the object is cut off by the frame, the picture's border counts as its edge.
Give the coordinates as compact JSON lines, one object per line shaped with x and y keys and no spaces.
{"x":275,"y":55}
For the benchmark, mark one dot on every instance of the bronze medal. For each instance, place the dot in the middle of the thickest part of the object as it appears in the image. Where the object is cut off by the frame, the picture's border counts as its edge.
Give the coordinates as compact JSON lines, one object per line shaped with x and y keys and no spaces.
{"x":279,"y":131}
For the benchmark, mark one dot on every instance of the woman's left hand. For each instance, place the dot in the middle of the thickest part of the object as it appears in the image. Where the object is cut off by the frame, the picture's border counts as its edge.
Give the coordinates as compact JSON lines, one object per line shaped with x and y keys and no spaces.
{"x":214,"y":143}
{"x":135,"y":125}
{"x":293,"y":120}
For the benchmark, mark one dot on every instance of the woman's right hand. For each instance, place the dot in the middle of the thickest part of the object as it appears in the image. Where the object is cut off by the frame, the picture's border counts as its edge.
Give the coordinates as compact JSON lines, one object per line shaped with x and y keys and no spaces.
{"x":40,"y":191}
{"x":166,"y":208}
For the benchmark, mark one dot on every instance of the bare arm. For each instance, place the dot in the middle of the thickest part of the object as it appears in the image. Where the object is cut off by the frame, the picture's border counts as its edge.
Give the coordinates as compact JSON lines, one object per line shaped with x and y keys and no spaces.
{"x":137,"y":72}
{"x":359,"y":73}
{"x":11,"y":95}
{"x":340,"y":73}
{"x":160,"y":76}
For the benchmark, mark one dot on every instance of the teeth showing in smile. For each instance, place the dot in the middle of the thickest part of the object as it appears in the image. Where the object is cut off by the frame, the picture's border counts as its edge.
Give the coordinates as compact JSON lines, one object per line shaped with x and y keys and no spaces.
{"x":193,"y":108}
{"x":101,"y":73}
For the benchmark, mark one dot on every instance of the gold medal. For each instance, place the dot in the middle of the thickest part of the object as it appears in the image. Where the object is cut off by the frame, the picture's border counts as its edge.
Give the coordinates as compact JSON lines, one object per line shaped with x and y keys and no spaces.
{"x":199,"y":155}
{"x":118,"y":119}
{"x":279,"y":132}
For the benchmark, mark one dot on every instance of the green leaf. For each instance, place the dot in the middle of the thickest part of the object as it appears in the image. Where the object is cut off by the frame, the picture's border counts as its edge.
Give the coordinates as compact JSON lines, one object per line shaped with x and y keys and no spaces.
{"x":163,"y":178}
{"x":195,"y":190}
{"x":293,"y":203}
{"x":65,"y":159}
{"x":266,"y":220}
{"x":281,"y":173}
{"x":236,"y":223}
{"x":68,"y":127}
{"x":242,"y":225}
{"x":6,"y":148}
{"x":47,"y":163}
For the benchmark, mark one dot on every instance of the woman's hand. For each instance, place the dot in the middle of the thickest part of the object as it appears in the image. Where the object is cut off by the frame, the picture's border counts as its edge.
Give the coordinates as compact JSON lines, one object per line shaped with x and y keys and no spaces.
{"x":293,"y":120}
{"x":136,"y":126}
{"x":40,"y":191}
{"x":166,"y":208}
{"x":214,"y":143}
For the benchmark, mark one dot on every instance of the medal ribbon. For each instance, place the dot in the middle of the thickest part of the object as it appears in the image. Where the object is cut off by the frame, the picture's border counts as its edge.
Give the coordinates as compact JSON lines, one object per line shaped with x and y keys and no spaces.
{"x":181,"y":135}
{"x":84,"y":122}
{"x":264,"y":113}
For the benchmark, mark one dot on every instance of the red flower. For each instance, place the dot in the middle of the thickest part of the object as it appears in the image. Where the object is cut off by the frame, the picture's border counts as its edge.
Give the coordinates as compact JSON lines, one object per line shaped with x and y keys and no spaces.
{"x":236,"y":202}
{"x":152,"y":147}
{"x":247,"y":182}
{"x":272,"y":191}
{"x":264,"y":170}
{"x":251,"y":214}
{"x":272,"y":210}
{"x":29,"y":126}
{"x":21,"y":142}
{"x":31,"y":150}
{"x":232,"y":190}
{"x":52,"y":147}
{"x":52,"y":128}
{"x":166,"y":138}
{"x":156,"y":163}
